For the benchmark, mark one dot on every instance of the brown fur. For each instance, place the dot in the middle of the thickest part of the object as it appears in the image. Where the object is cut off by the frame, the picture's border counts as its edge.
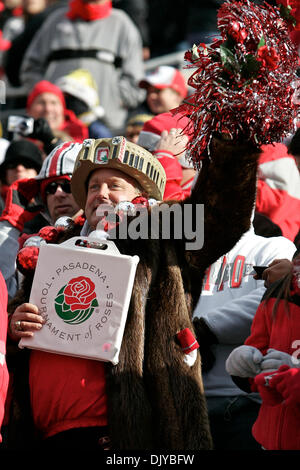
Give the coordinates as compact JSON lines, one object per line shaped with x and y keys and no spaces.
{"x":155,"y":400}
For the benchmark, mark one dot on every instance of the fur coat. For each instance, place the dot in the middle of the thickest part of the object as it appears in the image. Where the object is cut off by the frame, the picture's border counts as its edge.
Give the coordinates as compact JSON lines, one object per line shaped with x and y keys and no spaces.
{"x":155,"y":400}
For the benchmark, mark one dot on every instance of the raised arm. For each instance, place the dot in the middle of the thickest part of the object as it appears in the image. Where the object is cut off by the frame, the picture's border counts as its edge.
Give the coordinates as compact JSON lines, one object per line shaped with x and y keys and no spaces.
{"x":226,"y":186}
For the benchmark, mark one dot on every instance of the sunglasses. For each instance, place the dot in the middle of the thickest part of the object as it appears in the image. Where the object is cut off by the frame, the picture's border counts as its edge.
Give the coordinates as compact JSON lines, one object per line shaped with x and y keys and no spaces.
{"x":51,"y":188}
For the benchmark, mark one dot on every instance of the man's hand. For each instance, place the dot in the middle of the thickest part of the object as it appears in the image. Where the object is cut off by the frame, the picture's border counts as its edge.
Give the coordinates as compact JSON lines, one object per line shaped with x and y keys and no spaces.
{"x":276,"y":270}
{"x":25,"y":321}
{"x":174,"y":141}
{"x":244,"y":361}
{"x":275,"y":359}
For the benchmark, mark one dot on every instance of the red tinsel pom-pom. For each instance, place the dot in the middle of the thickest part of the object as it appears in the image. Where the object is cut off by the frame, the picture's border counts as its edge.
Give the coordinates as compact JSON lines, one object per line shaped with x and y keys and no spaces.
{"x":140,"y":201}
{"x":27,"y":259}
{"x":244,"y":81}
{"x":49,"y":234}
{"x":80,"y":219}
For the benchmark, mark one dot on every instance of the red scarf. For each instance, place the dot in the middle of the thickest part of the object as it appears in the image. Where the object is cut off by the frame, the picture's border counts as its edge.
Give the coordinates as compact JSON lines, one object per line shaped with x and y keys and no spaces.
{"x":88,"y":11}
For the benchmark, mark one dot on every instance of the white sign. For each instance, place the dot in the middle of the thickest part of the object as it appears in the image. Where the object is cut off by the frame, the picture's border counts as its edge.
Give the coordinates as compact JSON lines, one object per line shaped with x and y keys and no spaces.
{"x":83,"y":295}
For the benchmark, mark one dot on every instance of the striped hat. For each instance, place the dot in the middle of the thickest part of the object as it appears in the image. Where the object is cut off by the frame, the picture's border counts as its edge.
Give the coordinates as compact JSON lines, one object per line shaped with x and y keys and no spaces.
{"x":59,"y":164}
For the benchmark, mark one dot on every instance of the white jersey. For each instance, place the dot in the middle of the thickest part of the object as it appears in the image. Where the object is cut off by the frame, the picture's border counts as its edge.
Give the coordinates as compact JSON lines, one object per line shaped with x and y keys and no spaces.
{"x":229,"y":300}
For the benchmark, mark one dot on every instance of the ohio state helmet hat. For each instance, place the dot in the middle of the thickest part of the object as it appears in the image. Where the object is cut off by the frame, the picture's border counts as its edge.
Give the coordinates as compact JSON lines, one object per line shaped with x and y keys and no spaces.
{"x":119,"y":154}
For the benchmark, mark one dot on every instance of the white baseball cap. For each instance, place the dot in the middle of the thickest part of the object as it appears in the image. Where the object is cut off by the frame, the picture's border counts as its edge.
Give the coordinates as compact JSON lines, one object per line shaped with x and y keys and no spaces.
{"x":166,"y":76}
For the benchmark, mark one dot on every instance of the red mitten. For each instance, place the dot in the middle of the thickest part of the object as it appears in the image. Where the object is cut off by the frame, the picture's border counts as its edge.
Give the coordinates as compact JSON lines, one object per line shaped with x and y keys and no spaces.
{"x":20,"y":206}
{"x":268,"y":394}
{"x":287,"y":383}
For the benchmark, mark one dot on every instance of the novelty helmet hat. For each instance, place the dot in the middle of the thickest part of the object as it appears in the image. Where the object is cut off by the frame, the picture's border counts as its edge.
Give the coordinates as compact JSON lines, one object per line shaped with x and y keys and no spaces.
{"x":119,"y":154}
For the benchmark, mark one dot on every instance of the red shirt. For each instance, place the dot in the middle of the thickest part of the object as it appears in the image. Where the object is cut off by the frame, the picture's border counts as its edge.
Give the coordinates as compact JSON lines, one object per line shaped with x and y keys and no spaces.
{"x":66,"y":392}
{"x":172,"y":167}
{"x":278,"y":188}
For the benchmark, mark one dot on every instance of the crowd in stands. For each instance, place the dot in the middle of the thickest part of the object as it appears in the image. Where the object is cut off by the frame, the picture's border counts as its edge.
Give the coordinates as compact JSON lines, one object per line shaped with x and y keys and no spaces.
{"x":80,"y":67}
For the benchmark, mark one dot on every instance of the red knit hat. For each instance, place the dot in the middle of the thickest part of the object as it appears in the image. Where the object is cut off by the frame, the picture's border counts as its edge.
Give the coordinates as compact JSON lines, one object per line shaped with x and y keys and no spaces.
{"x":45,"y":87}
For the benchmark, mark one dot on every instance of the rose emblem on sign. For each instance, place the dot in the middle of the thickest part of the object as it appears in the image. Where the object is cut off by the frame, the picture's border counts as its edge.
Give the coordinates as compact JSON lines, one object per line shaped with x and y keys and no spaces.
{"x":76,"y":301}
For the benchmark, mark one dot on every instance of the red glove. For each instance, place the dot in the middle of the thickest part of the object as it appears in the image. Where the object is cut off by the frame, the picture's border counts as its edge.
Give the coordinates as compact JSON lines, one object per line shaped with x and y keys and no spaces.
{"x":20,"y":206}
{"x":287,"y":383}
{"x":269,"y":395}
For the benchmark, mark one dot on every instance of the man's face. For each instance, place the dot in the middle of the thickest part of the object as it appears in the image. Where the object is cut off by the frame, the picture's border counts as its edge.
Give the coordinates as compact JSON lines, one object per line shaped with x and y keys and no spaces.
{"x":48,"y":106}
{"x":161,"y":101}
{"x":18,"y":171}
{"x":32,"y":7}
{"x":107,"y":186}
{"x":60,"y":201}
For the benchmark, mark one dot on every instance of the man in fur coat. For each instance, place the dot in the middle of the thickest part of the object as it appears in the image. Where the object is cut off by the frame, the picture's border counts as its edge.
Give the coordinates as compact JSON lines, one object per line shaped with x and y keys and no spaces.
{"x":153,"y":398}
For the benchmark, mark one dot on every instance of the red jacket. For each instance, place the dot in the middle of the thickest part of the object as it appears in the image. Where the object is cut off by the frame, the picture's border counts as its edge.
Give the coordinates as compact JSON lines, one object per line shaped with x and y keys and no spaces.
{"x":173,"y":169}
{"x":3,"y":332}
{"x":277,"y":427}
{"x":74,"y":127}
{"x":278,"y":189}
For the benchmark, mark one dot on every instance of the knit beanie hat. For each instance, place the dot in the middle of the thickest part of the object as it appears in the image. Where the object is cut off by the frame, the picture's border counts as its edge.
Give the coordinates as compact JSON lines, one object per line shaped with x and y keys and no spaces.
{"x":44,"y":87}
{"x":152,"y":129}
{"x":20,"y":151}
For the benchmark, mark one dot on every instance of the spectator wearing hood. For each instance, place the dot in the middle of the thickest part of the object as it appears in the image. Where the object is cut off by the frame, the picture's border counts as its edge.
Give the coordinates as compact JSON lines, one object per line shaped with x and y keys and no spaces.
{"x":81,"y":95}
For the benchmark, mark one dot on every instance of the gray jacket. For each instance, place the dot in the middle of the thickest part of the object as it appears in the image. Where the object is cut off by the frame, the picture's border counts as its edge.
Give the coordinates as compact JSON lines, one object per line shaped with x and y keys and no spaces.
{"x":110,"y":48}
